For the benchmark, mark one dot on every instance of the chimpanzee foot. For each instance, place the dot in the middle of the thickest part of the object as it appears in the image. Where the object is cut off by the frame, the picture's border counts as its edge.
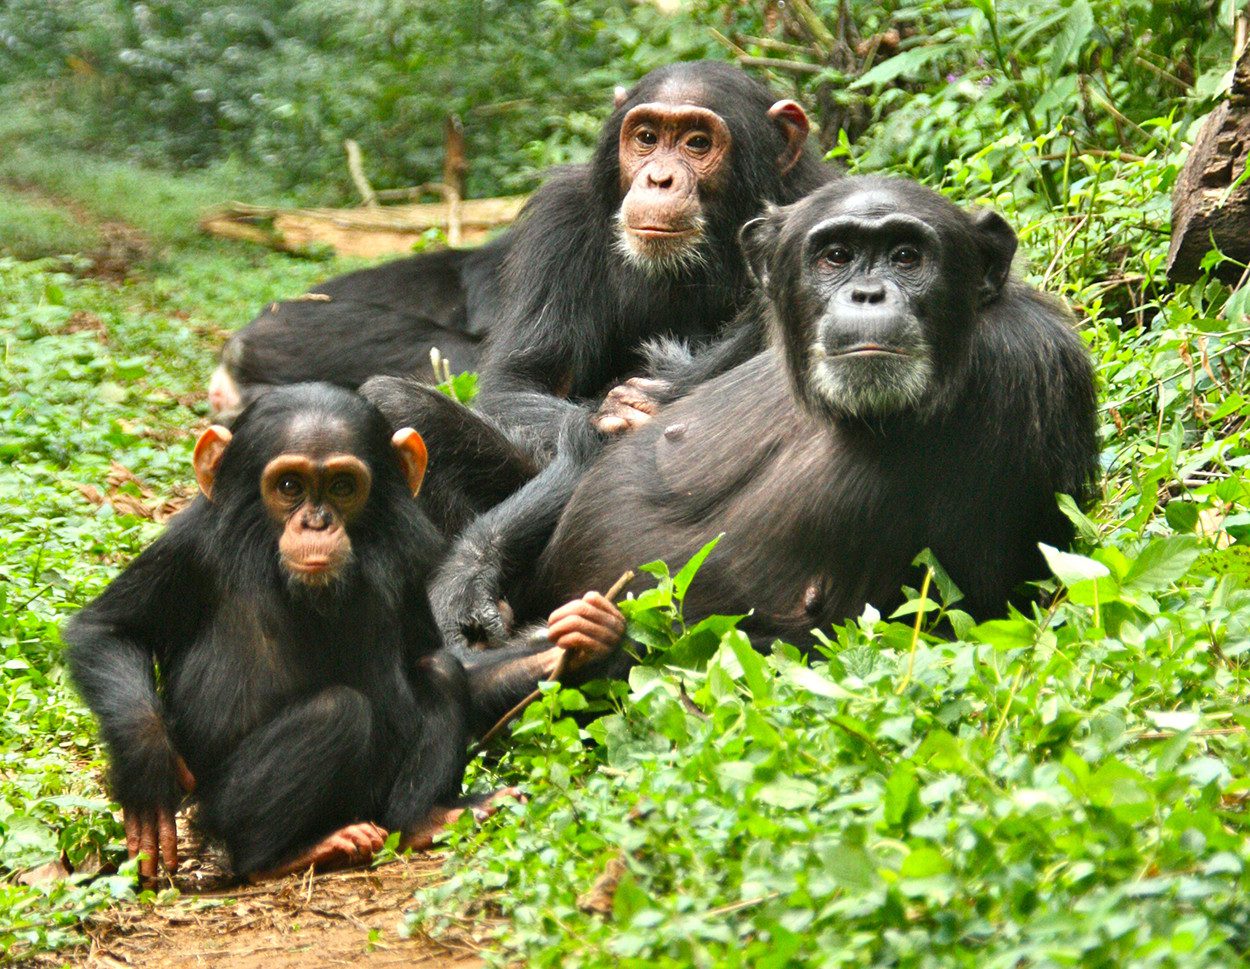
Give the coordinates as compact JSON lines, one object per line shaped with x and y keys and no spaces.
{"x":347,"y":847}
{"x":421,"y":838}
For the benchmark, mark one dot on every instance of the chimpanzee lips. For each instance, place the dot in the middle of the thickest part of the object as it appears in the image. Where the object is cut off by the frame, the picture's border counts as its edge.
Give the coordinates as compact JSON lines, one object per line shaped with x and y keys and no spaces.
{"x":662,"y":232}
{"x":861,"y":350}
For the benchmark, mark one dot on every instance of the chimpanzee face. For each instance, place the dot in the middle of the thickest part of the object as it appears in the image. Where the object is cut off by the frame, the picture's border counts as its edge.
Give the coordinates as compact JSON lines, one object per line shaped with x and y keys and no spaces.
{"x":874,"y":283}
{"x":302,"y":458}
{"x":871,"y":267}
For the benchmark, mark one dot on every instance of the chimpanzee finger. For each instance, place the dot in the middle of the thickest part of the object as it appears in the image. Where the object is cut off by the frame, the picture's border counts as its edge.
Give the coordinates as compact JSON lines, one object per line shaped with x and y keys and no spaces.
{"x":186,"y":780}
{"x":148,"y":843}
{"x":168,"y":832}
{"x":610,"y":424}
{"x":595,"y":609}
{"x":131,"y":821}
{"x":582,"y":649}
{"x":595,"y":625}
{"x":576,"y":629}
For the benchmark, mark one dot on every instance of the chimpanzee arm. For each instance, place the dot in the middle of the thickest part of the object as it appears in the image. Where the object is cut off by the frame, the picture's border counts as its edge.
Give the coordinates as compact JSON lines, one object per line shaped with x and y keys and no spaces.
{"x":154,"y":607}
{"x":672,"y":362}
{"x":488,"y":559}
{"x":436,"y":748}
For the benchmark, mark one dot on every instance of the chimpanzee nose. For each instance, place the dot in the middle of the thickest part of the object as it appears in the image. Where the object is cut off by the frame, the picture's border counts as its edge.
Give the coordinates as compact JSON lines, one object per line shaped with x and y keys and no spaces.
{"x":868,"y":293}
{"x":317,"y":520}
{"x":660,"y":180}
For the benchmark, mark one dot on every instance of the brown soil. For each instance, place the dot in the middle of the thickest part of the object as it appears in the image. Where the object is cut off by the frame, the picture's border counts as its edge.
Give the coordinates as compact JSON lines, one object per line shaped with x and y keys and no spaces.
{"x":345,"y":918}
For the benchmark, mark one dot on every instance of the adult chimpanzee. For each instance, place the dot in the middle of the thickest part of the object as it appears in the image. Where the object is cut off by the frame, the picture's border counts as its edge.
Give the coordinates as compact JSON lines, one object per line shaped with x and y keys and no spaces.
{"x":301,"y":677}
{"x":372,"y":321}
{"x":917,"y":397}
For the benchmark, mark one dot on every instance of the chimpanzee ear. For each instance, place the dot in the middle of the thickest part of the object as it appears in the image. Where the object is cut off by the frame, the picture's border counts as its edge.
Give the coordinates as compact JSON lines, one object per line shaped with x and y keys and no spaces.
{"x":757,"y":239}
{"x":620,"y":95}
{"x":997,"y":241}
{"x":792,"y":119}
{"x":410,"y":449}
{"x":206,"y":459}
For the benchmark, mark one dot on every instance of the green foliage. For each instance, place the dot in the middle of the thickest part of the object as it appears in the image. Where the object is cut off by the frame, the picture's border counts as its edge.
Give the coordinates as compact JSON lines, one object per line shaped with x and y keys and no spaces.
{"x":283,"y":84}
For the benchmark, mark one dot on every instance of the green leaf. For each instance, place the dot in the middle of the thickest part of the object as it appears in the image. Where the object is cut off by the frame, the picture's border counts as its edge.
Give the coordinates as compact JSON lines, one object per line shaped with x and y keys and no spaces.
{"x":908,"y":62}
{"x":1072,"y":36}
{"x":790,"y":793}
{"x":1162,"y":562}
{"x":1071,"y":568}
{"x":682,"y":580}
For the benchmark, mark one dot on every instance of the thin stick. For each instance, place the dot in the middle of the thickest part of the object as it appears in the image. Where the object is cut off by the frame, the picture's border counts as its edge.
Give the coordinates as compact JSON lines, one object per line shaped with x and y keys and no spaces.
{"x":617,"y":587}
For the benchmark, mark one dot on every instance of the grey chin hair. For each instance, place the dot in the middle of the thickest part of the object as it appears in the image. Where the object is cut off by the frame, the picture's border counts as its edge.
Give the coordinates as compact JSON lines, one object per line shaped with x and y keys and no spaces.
{"x":869,"y":398}
{"x":669,"y":260}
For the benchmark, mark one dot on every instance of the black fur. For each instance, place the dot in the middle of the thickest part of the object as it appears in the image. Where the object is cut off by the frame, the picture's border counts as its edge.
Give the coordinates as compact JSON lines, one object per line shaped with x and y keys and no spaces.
{"x":825,"y":503}
{"x":295,"y":713}
{"x":382,"y":320}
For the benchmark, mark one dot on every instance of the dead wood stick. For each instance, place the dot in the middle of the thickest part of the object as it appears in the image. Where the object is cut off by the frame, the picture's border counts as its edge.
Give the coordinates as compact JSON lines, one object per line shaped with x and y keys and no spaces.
{"x":617,"y":587}
{"x":356,"y":168}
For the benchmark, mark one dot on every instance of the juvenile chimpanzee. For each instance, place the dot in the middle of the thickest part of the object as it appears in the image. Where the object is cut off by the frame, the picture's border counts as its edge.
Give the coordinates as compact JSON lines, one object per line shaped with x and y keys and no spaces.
{"x":379,"y":320}
{"x":918,"y":397}
{"x":639,"y":244}
{"x":277,"y":641}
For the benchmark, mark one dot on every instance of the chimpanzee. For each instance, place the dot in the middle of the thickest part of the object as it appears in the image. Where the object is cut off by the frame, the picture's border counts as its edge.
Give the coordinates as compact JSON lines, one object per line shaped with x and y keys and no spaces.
{"x":274,"y":648}
{"x":637,"y":244}
{"x":917,"y":397}
{"x":380,"y":320}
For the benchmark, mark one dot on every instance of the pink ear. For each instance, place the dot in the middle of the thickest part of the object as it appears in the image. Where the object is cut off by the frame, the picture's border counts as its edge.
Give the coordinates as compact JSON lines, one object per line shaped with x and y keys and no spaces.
{"x":792,"y":119}
{"x":206,"y":459}
{"x":619,"y":95}
{"x":410,"y":449}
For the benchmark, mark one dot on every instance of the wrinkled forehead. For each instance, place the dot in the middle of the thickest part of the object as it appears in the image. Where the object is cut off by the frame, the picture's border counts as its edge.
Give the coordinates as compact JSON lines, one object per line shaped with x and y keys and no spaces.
{"x":681,"y":91}
{"x":870,"y":203}
{"x":318,"y":435}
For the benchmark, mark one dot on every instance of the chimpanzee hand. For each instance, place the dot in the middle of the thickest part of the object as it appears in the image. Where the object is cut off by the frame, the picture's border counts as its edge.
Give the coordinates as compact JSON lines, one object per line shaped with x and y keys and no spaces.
{"x":630,"y":405}
{"x":151,"y":828}
{"x":468,"y":608}
{"x":589,"y":628}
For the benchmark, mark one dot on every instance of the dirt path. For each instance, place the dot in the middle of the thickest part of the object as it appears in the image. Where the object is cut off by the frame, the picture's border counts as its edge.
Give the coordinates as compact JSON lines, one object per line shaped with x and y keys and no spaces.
{"x":348,"y":918}
{"x":121,"y":244}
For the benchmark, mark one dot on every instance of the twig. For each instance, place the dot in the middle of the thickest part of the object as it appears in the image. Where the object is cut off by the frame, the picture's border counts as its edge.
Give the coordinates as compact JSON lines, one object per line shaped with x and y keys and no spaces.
{"x":778,"y":64}
{"x":1169,"y":734}
{"x":915,"y":633}
{"x":558,"y":672}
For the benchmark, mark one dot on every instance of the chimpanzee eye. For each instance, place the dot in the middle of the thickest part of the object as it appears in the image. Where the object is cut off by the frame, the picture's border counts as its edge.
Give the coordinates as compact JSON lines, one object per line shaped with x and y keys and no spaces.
{"x":906,"y":257}
{"x":699,"y":143}
{"x":343,"y":487}
{"x":836,"y":256}
{"x":647,"y":137}
{"x":290,"y":485}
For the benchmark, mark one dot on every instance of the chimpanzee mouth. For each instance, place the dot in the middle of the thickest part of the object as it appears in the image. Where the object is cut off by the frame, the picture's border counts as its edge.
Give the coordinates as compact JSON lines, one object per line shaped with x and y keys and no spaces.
{"x":864,"y":350}
{"x":661,"y":232}
{"x":662,"y":250}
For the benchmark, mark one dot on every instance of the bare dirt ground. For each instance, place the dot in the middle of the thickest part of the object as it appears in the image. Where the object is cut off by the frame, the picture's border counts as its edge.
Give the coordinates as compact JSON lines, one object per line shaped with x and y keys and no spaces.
{"x":347,"y":918}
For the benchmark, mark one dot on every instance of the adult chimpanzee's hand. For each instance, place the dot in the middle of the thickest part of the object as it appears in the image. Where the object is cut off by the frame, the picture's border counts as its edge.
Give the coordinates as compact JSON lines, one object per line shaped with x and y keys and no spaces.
{"x":629,"y":405}
{"x":151,"y":828}
{"x":467,"y":604}
{"x":588,"y":628}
